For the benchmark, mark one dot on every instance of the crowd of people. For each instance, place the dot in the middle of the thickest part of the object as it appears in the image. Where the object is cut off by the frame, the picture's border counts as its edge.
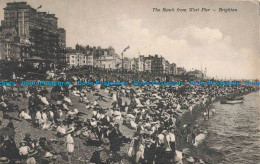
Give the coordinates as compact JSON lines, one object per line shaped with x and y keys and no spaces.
{"x":151,"y":112}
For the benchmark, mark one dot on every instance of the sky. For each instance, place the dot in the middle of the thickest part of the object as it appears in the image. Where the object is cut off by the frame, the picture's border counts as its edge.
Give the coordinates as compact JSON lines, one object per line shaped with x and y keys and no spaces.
{"x":226,"y":43}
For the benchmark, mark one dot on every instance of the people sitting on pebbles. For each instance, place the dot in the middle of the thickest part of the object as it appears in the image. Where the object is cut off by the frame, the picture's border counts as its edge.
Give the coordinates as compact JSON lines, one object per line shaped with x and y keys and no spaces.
{"x":151,"y":113}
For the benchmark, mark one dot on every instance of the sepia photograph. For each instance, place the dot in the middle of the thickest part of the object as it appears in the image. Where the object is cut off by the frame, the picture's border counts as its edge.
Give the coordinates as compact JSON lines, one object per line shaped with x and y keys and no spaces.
{"x":129,"y":82}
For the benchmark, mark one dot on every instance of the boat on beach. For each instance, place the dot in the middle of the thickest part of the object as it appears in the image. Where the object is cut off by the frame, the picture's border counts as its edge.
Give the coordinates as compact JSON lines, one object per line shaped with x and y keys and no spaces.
{"x":235,"y":98}
{"x":226,"y":101}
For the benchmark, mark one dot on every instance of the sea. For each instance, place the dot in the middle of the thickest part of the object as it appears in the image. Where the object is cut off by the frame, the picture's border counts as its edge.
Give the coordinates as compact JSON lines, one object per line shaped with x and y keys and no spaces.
{"x":233,"y":133}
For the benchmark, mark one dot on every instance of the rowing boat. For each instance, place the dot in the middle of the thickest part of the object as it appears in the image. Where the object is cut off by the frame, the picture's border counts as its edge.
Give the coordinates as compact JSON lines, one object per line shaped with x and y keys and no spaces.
{"x":225,"y":101}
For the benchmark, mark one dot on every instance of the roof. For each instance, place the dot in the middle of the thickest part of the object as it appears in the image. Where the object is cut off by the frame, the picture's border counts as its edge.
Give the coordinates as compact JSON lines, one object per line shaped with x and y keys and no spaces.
{"x":194,"y":72}
{"x":17,"y":5}
{"x":70,"y":50}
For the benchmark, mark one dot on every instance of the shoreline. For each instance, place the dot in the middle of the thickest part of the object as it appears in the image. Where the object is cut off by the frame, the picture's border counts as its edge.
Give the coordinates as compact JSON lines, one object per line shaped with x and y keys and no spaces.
{"x":187,"y":117}
{"x":183,"y":119}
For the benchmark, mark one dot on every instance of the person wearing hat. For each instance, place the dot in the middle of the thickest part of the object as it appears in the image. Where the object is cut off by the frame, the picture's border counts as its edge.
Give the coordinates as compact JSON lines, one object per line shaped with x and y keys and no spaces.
{"x":118,"y":115}
{"x":28,"y":140}
{"x":140,"y":127}
{"x":38,"y":117}
{"x":43,"y":144}
{"x":160,"y":138}
{"x":23,"y":149}
{"x":140,"y":150}
{"x":43,"y":118}
{"x":35,"y":143}
{"x":61,"y":128}
{"x":31,"y":159}
{"x":8,"y":148}
{"x":40,"y":150}
{"x":133,"y":145}
{"x":161,"y":146}
{"x":69,"y":119}
{"x":150,"y":150}
{"x":114,"y":137}
{"x":170,"y":138}
{"x":71,"y":126}
{"x":70,"y":146}
{"x":85,"y":132}
{"x":79,"y":125}
{"x":93,"y":122}
{"x":114,"y":97}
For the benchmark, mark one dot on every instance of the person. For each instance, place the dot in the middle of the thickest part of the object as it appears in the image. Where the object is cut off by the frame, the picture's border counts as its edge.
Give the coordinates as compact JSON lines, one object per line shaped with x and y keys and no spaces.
{"x":193,"y":135}
{"x":8,"y":148}
{"x":47,"y":158}
{"x":188,"y":132}
{"x":61,"y":129}
{"x":70,"y":146}
{"x":140,"y":151}
{"x":205,"y":115}
{"x":115,"y":139}
{"x":23,"y":149}
{"x":1,"y":117}
{"x":114,"y":97}
{"x":170,"y":137}
{"x":31,"y":159}
{"x":28,"y":140}
{"x":99,"y":156}
{"x":213,"y":111}
{"x":44,"y":144}
{"x":149,"y":151}
{"x":160,"y":154}
{"x":208,"y":112}
{"x":38,"y":118}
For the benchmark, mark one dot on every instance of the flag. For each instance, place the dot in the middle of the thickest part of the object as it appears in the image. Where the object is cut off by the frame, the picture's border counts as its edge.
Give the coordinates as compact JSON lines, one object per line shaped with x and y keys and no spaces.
{"x":126,"y":48}
{"x":39,"y":7}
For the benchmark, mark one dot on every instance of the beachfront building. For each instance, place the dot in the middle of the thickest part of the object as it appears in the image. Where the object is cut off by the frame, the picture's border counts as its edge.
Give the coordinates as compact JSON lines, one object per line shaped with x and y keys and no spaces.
{"x":75,"y":58}
{"x":107,"y":62}
{"x":137,"y":64}
{"x":167,"y":67}
{"x":106,"y":58}
{"x":27,"y":32}
{"x":196,"y":73}
{"x":172,"y":69}
{"x":1,"y":48}
{"x":147,"y":65}
{"x":126,"y":63}
{"x":93,"y":56}
{"x":157,"y":64}
{"x":181,"y":70}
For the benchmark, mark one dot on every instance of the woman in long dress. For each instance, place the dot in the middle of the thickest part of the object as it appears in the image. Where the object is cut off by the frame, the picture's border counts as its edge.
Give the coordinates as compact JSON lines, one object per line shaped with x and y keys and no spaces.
{"x":70,"y":146}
